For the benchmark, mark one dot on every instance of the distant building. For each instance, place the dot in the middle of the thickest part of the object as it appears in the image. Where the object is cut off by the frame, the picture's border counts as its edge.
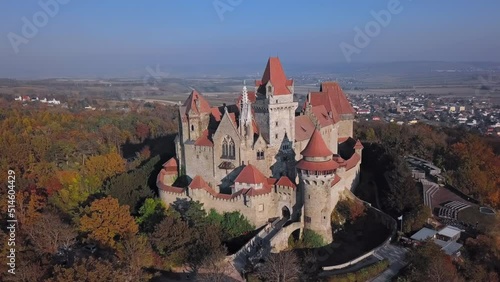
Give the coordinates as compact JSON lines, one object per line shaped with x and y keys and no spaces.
{"x":446,"y":238}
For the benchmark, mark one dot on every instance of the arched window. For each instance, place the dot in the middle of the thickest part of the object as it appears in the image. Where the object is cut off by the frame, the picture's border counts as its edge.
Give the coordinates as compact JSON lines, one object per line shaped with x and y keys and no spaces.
{"x":228,"y":148}
{"x":260,"y":155}
{"x":269,"y":89}
{"x":192,"y":127}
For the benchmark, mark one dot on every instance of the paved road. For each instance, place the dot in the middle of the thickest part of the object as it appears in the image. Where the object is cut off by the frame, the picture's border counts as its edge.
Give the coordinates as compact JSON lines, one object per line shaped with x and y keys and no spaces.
{"x":396,"y":256}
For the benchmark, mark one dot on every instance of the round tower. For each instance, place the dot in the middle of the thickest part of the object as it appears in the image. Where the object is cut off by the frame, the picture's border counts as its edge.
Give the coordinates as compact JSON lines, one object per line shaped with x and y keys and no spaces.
{"x":316,"y":171}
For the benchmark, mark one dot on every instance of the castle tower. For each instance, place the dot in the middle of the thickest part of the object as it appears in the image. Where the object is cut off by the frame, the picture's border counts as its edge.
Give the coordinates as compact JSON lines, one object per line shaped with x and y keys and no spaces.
{"x":195,"y":115}
{"x":316,"y":171}
{"x":274,"y":107}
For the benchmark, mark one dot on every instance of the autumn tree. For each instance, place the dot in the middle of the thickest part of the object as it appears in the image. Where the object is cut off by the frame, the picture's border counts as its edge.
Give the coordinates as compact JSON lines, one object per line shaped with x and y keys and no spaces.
{"x":215,"y":268}
{"x":142,"y":131}
{"x":73,"y":192}
{"x":107,"y":222}
{"x":99,"y":168}
{"x":50,"y":240}
{"x":89,"y":270}
{"x":29,"y":206}
{"x":428,"y":263}
{"x":136,"y":255}
{"x":474,"y":169}
{"x":281,"y":267}
{"x":205,"y":242}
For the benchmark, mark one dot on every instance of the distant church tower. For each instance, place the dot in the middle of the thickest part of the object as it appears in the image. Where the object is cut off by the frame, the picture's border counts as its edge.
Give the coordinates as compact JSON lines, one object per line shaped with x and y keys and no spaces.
{"x":316,"y":171}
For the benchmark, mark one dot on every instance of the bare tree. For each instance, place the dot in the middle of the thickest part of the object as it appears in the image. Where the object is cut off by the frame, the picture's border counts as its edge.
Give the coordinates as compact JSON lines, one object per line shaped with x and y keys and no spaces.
{"x":281,"y":267}
{"x":50,"y":233}
{"x":214,"y":268}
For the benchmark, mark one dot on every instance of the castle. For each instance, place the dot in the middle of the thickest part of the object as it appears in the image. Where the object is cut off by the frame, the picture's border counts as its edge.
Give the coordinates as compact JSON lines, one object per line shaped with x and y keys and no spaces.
{"x":263,"y":158}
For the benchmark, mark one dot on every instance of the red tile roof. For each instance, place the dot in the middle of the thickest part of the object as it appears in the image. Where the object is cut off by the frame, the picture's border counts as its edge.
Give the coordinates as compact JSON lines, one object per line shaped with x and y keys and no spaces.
{"x":335,"y":180}
{"x":216,"y":114}
{"x":171,"y":165}
{"x":338,"y":97}
{"x":255,"y":127}
{"x":323,"y":99}
{"x":352,"y":162}
{"x":199,"y":183}
{"x":232,"y":116}
{"x":192,"y":106}
{"x":274,"y":73}
{"x":316,"y":146}
{"x":168,"y":188}
{"x":358,"y":145}
{"x":304,"y":128}
{"x":251,"y":175}
{"x":204,"y":140}
{"x":266,"y":189}
{"x":339,"y":160}
{"x":343,"y":139}
{"x":317,"y":166}
{"x":321,"y":114}
{"x":285,"y":181}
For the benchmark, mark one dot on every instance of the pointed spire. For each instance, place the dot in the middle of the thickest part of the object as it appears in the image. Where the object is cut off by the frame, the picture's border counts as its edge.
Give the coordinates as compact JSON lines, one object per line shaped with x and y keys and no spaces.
{"x":246,"y":110}
{"x":245,"y":93}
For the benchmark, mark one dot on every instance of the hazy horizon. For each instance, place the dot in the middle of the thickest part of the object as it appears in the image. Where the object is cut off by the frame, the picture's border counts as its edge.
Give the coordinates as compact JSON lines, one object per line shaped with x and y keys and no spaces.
{"x":124,"y":38}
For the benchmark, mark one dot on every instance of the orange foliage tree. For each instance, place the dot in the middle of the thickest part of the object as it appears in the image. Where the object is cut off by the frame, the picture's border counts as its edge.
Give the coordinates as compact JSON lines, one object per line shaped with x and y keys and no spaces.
{"x":100,"y":168}
{"x":475,"y":169}
{"x":107,"y":222}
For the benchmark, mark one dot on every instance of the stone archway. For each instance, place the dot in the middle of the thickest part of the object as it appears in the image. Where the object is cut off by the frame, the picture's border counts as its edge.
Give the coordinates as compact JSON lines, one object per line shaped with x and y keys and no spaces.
{"x":285,"y":212}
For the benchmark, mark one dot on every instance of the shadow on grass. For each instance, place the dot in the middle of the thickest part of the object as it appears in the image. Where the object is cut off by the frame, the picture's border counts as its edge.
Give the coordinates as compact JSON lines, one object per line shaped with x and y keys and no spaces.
{"x":354,"y":240}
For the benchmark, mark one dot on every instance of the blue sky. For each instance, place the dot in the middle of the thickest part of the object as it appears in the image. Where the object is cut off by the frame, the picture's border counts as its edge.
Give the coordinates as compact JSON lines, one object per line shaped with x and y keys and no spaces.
{"x":87,"y":35}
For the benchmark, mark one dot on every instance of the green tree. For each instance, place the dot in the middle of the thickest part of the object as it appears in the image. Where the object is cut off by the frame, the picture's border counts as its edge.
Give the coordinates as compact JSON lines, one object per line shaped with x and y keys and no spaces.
{"x":170,"y":239}
{"x":152,"y":212}
{"x":312,"y":239}
{"x":132,"y":187}
{"x":233,"y":224}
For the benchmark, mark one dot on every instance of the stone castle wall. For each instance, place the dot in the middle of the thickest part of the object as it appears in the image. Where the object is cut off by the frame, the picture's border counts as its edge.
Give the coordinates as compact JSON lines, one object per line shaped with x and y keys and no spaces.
{"x":257,"y":209}
{"x":345,"y":128}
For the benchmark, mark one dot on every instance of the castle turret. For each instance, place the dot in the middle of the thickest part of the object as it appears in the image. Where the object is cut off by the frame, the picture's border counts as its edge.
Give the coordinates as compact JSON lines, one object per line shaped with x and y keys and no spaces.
{"x":195,"y":115}
{"x":316,"y":171}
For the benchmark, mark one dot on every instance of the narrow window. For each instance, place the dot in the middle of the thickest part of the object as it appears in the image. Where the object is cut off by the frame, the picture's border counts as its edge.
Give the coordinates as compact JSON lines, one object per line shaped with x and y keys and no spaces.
{"x":228,"y":148}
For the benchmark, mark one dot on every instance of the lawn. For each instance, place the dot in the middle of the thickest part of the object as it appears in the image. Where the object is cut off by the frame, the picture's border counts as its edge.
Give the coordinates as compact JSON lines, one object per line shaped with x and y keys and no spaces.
{"x":472,"y":215}
{"x":353,"y":241}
